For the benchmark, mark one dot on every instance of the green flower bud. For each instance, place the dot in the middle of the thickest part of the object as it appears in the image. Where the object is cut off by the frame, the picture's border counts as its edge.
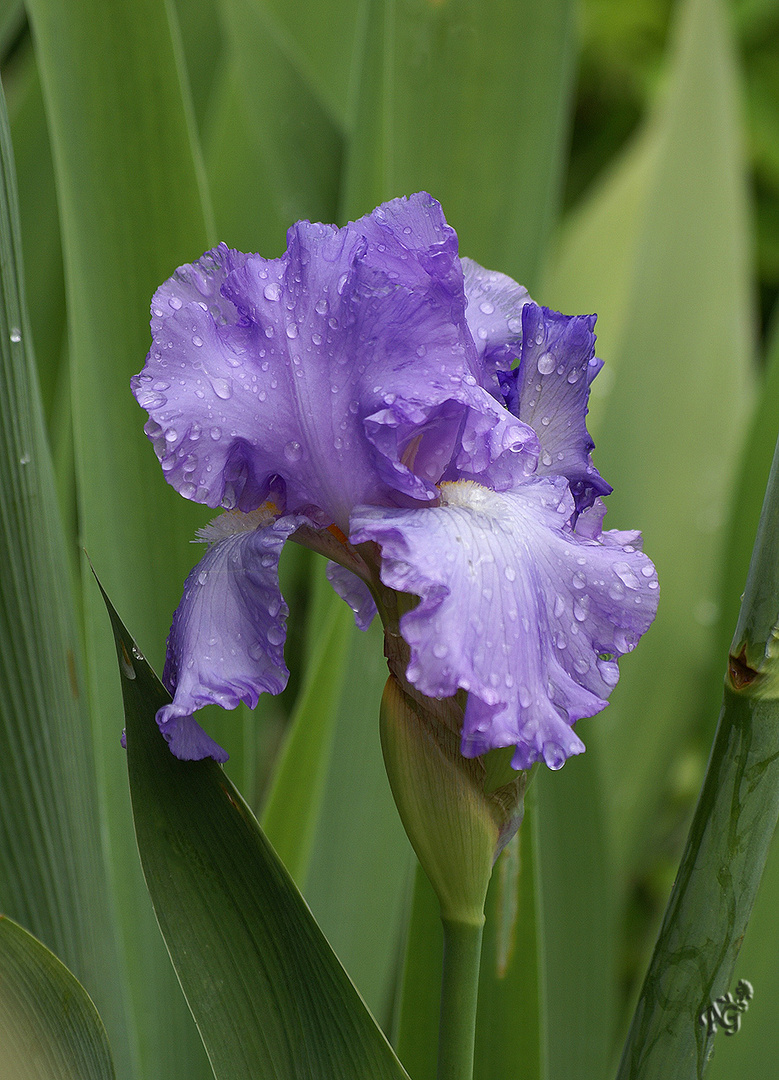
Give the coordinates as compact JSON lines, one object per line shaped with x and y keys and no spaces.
{"x":456,"y":819}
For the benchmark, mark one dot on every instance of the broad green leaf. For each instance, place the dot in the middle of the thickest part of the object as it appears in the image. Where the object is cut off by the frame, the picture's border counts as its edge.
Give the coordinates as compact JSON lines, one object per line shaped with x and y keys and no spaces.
{"x":323,"y":41}
{"x":468,"y":101}
{"x":269,"y":995}
{"x":755,"y":1049}
{"x":131,"y":206}
{"x":296,"y":141}
{"x":578,"y":914}
{"x":52,"y":873}
{"x":512,"y":1028}
{"x":49,"y":1028}
{"x":685,"y":355}
{"x":291,"y":812}
{"x":728,"y":843}
{"x":361,"y":860}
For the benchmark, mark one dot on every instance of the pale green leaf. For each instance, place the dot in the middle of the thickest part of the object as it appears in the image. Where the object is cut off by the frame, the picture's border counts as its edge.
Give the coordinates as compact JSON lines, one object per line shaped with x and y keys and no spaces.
{"x":49,"y":1028}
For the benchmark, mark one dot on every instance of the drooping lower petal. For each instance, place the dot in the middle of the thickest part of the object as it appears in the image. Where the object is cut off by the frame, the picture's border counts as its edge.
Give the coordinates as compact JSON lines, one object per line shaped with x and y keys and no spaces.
{"x":515,"y":608}
{"x":355,"y":592}
{"x":227,"y":640}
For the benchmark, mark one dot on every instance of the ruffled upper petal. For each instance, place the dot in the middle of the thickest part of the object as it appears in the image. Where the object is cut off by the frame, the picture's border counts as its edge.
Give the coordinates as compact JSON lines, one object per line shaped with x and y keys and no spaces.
{"x":515,"y":608}
{"x":494,"y":314}
{"x":227,"y":640}
{"x":327,"y":367}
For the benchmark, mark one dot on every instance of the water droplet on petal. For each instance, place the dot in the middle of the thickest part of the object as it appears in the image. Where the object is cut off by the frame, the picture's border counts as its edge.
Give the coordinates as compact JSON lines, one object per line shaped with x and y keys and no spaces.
{"x":222,"y":388}
{"x":275,"y":635}
{"x":321,"y":307}
{"x":202,"y":577}
{"x":216,"y":433}
{"x":554,"y":755}
{"x":625,"y":573}
{"x":510,"y":573}
{"x":525,"y":697}
{"x":545,"y":363}
{"x":16,"y":334}
{"x":293,"y":451}
{"x":272,"y":291}
{"x":486,"y":307}
{"x":197,"y":341}
{"x":440,"y":650}
{"x":292,"y":331}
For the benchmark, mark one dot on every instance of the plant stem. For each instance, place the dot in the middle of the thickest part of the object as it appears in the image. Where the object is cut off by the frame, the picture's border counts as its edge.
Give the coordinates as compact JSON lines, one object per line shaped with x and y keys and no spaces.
{"x":459,"y":994}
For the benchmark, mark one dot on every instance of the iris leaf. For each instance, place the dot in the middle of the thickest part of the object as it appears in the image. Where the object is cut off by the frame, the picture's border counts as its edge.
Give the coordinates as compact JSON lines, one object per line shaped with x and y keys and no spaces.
{"x":52,"y":871}
{"x":445,"y":105}
{"x":132,"y":208}
{"x":728,"y":844}
{"x":48,"y":1024}
{"x":269,"y":996}
{"x":291,"y":812}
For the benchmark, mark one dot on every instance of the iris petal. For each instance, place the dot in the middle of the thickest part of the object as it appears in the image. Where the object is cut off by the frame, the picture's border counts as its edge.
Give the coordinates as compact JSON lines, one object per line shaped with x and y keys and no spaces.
{"x":227,"y":640}
{"x":515,"y":608}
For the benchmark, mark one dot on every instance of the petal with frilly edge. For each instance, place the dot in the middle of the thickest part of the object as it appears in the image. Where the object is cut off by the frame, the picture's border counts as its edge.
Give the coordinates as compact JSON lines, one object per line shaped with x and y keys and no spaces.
{"x":329,"y":367}
{"x":227,"y":640}
{"x":515,"y":608}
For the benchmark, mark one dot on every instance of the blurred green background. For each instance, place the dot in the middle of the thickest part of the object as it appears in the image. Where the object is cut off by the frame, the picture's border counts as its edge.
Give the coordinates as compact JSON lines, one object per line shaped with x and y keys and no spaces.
{"x":615,"y":157}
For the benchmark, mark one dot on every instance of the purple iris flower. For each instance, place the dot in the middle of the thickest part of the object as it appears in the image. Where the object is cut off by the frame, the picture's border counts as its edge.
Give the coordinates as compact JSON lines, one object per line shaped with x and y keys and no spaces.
{"x":420,"y":421}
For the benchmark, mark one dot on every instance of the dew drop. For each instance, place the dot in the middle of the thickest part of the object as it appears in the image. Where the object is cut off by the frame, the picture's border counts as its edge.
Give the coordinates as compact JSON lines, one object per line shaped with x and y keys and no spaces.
{"x":222,"y":388}
{"x":275,"y":635}
{"x":292,"y":331}
{"x":510,"y":573}
{"x":16,"y":334}
{"x":202,"y":577}
{"x":486,"y":307}
{"x":525,"y":697}
{"x":321,"y":307}
{"x":559,"y":606}
{"x":293,"y":451}
{"x":272,"y":291}
{"x":175,"y":303}
{"x":545,"y":363}
{"x":579,"y":580}
{"x":216,"y":433}
{"x":197,"y":341}
{"x":625,"y":574}
{"x":554,"y":756}
{"x":440,"y":650}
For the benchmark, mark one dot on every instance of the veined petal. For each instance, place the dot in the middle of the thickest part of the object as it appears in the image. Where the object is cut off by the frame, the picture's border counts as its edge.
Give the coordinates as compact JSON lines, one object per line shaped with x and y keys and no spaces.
{"x":494,"y":314}
{"x":549,"y":391}
{"x":515,"y":608}
{"x":227,"y":640}
{"x":322,"y":367}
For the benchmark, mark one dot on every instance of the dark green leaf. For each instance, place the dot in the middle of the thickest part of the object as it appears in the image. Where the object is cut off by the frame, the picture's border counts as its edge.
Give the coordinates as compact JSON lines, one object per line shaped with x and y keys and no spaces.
{"x":269,"y":996}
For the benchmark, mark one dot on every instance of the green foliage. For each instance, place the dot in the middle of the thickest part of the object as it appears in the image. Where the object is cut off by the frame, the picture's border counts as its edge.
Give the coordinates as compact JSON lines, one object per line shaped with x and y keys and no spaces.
{"x":49,"y":1028}
{"x":143,"y":132}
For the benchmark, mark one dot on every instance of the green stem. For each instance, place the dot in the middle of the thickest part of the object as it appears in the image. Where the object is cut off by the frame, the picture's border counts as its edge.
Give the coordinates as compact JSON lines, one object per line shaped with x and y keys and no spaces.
{"x":459,"y":994}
